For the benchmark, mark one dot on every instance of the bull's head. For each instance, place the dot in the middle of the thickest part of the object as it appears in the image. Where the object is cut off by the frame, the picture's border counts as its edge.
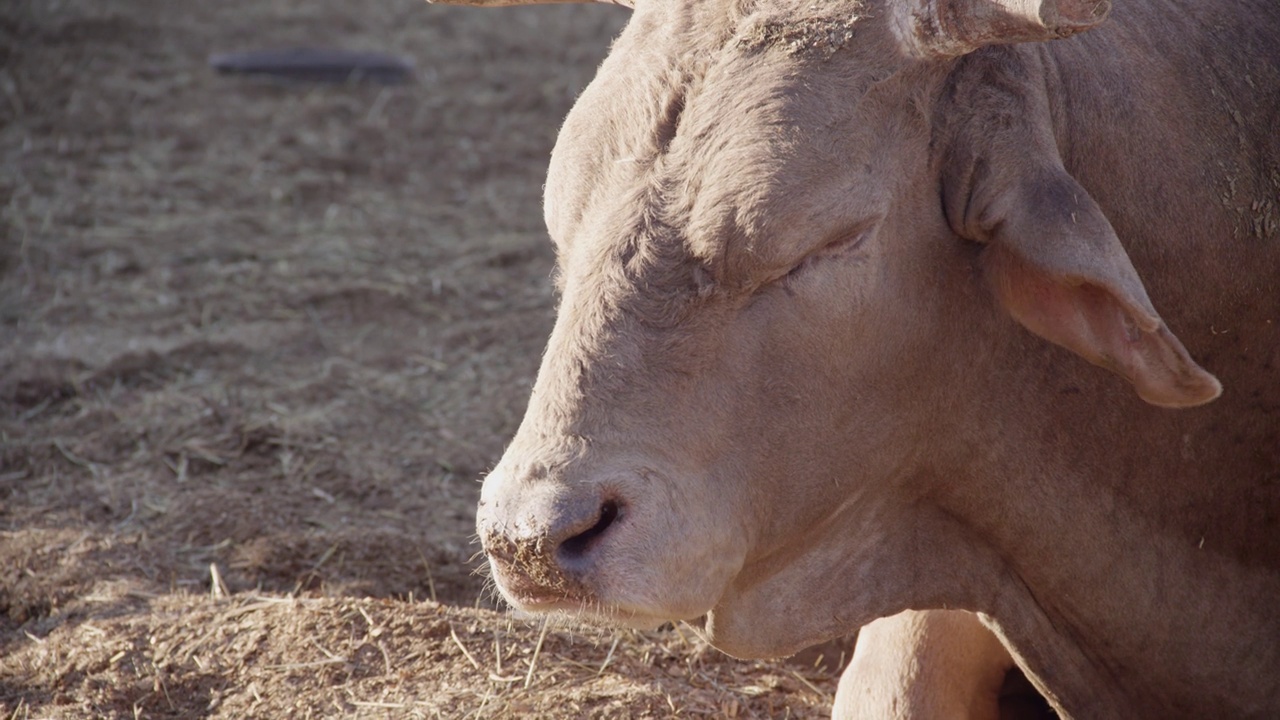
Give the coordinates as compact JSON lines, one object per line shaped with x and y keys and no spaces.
{"x":793,"y":242}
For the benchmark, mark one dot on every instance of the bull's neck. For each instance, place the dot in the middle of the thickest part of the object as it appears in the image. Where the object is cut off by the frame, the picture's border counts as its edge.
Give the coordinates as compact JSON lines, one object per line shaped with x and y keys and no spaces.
{"x":1109,"y":583}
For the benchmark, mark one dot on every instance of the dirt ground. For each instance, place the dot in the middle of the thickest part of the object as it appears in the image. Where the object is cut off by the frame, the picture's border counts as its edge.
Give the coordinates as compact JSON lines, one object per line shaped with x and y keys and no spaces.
{"x":258,"y":340}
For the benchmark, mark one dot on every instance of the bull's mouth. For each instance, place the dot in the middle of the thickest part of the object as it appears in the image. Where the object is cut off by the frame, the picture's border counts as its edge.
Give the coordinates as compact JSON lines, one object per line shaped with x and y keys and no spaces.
{"x":590,"y":613}
{"x":537,"y":595}
{"x":578,"y":605}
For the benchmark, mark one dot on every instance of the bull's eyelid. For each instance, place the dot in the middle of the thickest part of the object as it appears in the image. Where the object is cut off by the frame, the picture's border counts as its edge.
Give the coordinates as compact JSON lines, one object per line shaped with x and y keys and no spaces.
{"x":844,"y":243}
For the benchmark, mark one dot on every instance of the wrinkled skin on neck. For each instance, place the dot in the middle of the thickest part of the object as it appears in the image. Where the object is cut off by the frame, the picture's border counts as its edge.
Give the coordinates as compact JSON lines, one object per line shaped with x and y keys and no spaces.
{"x":792,"y":353}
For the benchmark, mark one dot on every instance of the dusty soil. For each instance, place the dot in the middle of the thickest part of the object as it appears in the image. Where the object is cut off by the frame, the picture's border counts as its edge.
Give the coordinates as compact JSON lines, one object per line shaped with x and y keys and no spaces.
{"x":258,"y":340}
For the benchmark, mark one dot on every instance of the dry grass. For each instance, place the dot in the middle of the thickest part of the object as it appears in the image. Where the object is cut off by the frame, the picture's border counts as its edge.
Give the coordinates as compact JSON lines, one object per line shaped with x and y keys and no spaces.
{"x":266,"y":656}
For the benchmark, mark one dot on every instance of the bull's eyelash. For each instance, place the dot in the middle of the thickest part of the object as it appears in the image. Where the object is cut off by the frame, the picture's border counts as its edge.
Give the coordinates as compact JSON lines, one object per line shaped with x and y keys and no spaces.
{"x":846,"y":244}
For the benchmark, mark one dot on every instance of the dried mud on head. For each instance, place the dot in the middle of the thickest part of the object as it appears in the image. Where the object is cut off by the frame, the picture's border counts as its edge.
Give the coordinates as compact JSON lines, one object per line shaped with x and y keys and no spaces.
{"x":258,"y":341}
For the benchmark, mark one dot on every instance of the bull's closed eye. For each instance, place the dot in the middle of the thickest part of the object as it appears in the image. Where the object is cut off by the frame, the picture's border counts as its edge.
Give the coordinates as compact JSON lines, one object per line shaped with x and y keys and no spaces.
{"x":843,"y":246}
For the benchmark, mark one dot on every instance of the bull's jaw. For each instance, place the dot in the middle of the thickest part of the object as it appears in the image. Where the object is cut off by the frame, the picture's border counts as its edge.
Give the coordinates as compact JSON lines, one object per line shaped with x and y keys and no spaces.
{"x":823,"y":594}
{"x":868,"y":564}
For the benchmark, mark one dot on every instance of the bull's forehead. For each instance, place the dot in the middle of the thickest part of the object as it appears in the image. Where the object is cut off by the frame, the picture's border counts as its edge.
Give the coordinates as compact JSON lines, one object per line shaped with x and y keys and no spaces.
{"x":727,"y":127}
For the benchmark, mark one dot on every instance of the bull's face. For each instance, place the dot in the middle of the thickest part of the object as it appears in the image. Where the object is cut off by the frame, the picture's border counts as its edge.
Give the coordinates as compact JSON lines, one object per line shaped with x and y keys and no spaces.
{"x":762,"y":366}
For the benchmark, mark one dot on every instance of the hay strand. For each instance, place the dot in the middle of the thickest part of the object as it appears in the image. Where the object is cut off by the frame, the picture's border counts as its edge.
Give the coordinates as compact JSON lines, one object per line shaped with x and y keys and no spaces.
{"x":537,"y":650}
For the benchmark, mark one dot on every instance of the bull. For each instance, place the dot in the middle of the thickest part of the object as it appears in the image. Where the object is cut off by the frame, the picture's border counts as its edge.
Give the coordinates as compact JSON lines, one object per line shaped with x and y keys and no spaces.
{"x":839,"y":286}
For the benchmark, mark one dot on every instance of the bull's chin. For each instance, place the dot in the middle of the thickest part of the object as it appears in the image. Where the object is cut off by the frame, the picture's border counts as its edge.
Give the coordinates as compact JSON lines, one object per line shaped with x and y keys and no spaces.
{"x":593,"y":612}
{"x":589,"y":613}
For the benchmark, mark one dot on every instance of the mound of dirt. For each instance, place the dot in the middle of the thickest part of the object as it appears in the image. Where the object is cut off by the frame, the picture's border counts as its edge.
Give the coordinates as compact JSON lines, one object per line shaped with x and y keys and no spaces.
{"x":280,"y":329}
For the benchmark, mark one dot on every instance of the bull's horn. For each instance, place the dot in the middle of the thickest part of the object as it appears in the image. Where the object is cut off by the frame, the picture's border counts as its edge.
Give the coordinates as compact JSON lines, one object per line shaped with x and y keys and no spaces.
{"x":507,"y":3}
{"x":955,"y":27}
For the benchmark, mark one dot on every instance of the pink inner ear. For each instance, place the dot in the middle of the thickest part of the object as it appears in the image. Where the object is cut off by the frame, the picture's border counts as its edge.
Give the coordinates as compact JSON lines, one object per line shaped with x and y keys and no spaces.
{"x":1094,"y":322}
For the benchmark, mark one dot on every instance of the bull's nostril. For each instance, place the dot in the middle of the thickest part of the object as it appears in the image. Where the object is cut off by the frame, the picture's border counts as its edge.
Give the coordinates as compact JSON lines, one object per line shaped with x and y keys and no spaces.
{"x":577,"y":545}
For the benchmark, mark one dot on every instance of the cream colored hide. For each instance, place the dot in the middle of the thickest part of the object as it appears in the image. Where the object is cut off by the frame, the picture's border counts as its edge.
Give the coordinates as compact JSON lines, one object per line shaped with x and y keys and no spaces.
{"x":932,"y":664}
{"x":840,"y":286}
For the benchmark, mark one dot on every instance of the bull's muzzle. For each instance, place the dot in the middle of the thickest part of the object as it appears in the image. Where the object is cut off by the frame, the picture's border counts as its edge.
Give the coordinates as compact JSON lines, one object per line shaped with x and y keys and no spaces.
{"x":543,"y":548}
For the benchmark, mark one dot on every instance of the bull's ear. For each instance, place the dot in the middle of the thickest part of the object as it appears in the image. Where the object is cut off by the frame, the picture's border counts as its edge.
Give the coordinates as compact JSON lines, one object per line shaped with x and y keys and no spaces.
{"x":507,"y":3}
{"x":955,"y":27}
{"x":1055,"y":264}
